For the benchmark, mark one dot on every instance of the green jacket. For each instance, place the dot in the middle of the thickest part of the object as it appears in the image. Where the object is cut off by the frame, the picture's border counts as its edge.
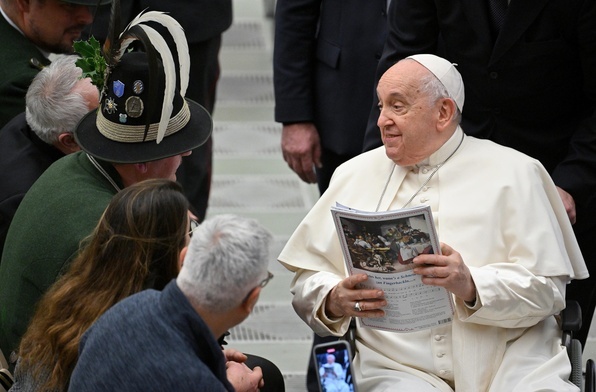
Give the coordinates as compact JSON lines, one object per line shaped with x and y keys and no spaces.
{"x":61,"y":209}
{"x":17,"y":70}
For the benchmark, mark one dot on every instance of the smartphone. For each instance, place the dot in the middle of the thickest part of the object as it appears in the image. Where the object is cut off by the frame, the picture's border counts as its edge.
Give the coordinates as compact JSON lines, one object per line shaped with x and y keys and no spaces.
{"x":334,"y":364}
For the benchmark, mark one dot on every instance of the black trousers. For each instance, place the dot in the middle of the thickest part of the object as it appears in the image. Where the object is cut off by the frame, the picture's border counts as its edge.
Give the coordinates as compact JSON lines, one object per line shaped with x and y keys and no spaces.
{"x":272,"y":376}
{"x":195,"y":171}
{"x":330,"y":162}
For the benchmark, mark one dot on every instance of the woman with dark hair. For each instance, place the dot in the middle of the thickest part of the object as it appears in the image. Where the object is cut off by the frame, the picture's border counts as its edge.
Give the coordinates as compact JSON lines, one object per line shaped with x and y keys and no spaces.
{"x":135,"y":246}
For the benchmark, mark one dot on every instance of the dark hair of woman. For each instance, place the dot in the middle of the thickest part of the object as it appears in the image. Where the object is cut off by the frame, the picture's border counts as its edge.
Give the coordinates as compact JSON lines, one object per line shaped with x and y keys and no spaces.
{"x":135,"y":246}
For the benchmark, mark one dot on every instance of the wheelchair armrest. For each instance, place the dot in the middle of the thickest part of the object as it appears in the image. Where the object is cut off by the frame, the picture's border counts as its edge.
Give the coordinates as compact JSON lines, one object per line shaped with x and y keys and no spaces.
{"x":571,"y":317}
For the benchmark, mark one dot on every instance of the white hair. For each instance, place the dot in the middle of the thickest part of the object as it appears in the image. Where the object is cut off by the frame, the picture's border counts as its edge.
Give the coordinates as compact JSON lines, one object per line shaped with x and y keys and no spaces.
{"x":52,"y":107}
{"x":435,"y":90}
{"x":227,"y":257}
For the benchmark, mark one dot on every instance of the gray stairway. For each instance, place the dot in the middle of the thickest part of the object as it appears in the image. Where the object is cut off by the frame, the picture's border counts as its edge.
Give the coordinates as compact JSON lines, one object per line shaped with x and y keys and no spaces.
{"x":251,"y":179}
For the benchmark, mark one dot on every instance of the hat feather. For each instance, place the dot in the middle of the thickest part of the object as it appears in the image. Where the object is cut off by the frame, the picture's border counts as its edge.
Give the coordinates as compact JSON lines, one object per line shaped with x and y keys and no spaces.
{"x":162,"y":48}
{"x":136,"y":33}
{"x":177,"y":33}
{"x":111,"y":45}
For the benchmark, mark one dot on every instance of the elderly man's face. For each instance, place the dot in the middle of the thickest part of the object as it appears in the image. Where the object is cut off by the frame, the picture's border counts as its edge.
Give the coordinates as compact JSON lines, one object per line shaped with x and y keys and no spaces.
{"x":89,"y":92}
{"x":408,"y":117}
{"x":53,"y":25}
{"x":166,"y":167}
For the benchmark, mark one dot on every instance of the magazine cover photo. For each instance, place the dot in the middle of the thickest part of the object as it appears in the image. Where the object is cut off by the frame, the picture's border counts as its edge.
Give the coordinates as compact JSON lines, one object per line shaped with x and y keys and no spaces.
{"x":386,"y":246}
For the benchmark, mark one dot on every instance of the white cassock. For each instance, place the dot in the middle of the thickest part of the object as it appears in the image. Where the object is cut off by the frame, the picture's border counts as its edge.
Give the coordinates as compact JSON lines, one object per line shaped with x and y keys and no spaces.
{"x":501,"y":211}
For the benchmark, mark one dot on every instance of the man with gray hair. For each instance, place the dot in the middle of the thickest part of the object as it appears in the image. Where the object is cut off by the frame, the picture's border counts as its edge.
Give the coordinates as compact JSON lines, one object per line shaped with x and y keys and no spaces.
{"x":167,"y":339}
{"x":56,"y":101}
{"x":135,"y":134}
{"x":507,"y":252}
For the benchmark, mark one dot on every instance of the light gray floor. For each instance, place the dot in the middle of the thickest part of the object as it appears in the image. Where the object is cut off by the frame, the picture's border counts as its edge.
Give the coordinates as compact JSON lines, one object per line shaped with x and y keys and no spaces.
{"x":251,"y":179}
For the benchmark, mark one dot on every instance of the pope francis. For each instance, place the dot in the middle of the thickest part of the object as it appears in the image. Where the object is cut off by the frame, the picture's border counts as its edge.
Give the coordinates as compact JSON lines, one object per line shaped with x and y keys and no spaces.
{"x":507,"y":245}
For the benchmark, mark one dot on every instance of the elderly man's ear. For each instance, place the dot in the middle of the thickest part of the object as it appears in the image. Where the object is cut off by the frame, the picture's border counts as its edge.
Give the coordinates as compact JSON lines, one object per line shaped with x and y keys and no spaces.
{"x":251,"y":300}
{"x":447,"y":113}
{"x":67,"y":143}
{"x":23,"y":5}
{"x":181,"y":257}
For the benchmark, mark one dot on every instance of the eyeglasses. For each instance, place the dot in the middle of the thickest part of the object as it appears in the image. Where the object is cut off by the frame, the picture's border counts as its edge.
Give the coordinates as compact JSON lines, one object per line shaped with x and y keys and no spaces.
{"x":261,"y":284}
{"x":193,"y":226}
{"x":266,"y":280}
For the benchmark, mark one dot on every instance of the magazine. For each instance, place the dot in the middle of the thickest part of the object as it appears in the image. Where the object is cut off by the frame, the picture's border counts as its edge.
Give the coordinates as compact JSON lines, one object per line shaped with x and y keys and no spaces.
{"x":383,"y":245}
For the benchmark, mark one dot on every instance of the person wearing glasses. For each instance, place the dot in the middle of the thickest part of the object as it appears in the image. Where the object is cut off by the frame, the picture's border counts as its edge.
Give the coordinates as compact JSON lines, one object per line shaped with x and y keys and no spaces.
{"x":165,"y":340}
{"x":138,"y":244}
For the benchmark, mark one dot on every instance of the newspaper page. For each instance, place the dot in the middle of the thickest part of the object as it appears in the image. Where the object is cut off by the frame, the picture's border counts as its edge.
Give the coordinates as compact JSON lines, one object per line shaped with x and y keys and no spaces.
{"x":383,"y":245}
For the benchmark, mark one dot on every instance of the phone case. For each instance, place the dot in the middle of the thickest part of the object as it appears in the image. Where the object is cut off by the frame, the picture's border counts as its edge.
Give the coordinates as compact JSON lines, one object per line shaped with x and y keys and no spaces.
{"x":334,"y":364}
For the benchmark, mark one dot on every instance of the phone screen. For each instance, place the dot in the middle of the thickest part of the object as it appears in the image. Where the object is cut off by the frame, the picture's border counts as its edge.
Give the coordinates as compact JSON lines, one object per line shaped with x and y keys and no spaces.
{"x":334,"y":367}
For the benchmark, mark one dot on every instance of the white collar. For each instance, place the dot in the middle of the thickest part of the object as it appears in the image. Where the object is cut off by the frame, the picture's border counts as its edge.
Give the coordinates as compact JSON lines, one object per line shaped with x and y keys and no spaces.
{"x":448,"y":148}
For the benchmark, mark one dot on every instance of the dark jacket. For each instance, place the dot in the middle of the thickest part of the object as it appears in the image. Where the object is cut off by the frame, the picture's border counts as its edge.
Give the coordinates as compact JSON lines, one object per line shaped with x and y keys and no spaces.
{"x":17,"y":70}
{"x":23,"y":158}
{"x":200,"y":19}
{"x":325,"y":57}
{"x":534,"y":90}
{"x":151,"y":341}
{"x":60,"y":210}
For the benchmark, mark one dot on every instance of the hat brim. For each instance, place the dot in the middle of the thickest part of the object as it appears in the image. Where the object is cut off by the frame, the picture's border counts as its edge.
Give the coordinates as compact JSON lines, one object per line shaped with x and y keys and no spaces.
{"x":193,"y":135}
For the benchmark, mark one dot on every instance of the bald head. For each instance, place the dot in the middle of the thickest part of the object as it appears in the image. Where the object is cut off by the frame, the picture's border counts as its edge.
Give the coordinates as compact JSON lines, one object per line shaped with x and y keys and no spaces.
{"x":417,"y":114}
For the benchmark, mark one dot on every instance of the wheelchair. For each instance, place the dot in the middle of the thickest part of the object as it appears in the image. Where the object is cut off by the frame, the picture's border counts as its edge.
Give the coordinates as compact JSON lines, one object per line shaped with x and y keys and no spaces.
{"x":571,"y":321}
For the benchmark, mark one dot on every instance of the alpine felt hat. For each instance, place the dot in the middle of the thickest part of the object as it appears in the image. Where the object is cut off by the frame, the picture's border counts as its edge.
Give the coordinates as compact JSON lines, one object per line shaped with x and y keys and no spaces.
{"x":117,"y":131}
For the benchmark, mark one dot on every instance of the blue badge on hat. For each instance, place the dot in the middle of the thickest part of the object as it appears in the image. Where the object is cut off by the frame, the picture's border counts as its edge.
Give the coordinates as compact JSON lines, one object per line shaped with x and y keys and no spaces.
{"x":123,"y":118}
{"x":118,"y":88}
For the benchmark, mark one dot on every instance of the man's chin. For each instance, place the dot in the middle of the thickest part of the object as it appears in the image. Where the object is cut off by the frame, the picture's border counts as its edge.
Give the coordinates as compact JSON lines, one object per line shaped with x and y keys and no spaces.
{"x":61,"y":48}
{"x":392,"y":153}
{"x":66,"y":47}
